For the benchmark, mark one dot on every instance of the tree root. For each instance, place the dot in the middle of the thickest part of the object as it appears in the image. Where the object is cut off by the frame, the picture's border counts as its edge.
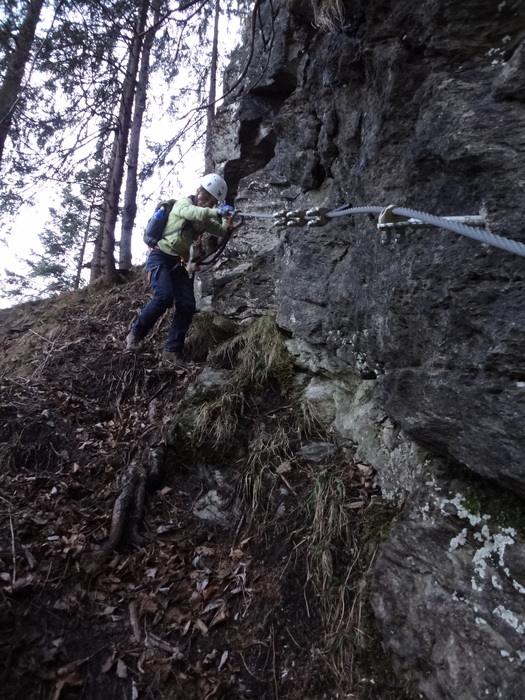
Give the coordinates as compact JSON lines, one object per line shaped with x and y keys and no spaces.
{"x":128,"y":510}
{"x":127,"y":505}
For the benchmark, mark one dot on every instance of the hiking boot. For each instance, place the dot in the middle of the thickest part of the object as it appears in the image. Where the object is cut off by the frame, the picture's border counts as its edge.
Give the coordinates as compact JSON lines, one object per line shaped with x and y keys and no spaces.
{"x":132,"y":341}
{"x":173,"y":358}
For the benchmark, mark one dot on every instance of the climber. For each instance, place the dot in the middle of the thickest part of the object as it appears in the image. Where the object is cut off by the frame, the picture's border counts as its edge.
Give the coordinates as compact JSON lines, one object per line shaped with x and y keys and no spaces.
{"x":172,"y":285}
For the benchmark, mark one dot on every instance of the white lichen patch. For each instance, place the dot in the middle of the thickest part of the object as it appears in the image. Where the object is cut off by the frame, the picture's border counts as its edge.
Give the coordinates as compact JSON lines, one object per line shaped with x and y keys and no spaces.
{"x":494,"y":545}
{"x":510,"y":618}
{"x":458,"y":541}
{"x":462,"y":512}
{"x":425,"y":511}
{"x":490,"y":553}
{"x":518,"y":587}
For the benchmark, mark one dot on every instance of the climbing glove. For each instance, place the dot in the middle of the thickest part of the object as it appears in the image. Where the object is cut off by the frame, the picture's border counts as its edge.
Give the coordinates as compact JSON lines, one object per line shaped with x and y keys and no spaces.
{"x":225,"y":210}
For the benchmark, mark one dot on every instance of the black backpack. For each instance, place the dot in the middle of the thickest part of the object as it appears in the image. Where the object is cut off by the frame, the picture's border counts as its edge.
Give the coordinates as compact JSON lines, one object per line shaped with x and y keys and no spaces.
{"x":156,"y":225}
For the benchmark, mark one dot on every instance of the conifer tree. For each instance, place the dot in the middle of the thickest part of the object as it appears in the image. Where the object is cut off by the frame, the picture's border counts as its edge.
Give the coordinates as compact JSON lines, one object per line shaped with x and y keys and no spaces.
{"x":129,"y":209}
{"x":17,"y":54}
{"x":106,"y":261}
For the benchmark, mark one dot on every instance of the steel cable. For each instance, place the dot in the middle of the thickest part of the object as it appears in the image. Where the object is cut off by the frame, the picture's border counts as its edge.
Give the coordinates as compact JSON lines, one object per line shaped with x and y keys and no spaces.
{"x":463,"y":229}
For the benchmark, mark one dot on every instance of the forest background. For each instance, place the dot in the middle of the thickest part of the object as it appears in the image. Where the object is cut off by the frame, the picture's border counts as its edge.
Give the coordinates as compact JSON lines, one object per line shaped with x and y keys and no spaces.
{"x":105,"y":109}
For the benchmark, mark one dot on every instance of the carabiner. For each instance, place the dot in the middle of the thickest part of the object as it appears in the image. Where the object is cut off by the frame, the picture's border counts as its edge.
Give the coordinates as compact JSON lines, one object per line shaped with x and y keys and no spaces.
{"x":236,"y":220}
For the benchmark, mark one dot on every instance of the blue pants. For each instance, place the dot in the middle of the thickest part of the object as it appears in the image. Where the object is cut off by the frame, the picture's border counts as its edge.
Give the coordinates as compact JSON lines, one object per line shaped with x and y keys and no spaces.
{"x":171,"y":286}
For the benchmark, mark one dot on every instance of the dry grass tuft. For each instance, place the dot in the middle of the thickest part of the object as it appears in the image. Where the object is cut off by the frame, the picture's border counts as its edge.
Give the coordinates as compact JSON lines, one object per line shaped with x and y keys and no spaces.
{"x":207,"y":331}
{"x":257,"y":352}
{"x":328,"y":14}
{"x":218,"y":418}
{"x":337,"y":568}
{"x":329,"y":526}
{"x":266,"y":452}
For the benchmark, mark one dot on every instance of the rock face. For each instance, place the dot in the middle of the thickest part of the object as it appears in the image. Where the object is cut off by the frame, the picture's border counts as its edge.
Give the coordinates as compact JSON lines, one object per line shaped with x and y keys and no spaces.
{"x":415,"y":349}
{"x":449,"y":595}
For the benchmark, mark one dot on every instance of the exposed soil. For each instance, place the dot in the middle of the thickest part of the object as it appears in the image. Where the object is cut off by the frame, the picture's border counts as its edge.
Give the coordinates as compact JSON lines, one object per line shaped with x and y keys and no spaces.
{"x":178,"y":607}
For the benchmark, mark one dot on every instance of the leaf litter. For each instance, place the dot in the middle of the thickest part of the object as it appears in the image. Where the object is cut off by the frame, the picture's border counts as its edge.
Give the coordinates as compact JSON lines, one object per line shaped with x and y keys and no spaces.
{"x":181,"y":608}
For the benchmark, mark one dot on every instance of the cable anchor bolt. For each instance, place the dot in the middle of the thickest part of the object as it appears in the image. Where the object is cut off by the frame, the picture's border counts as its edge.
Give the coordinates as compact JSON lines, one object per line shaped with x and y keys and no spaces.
{"x":318,"y":216}
{"x":290,"y":218}
{"x":387,"y":221}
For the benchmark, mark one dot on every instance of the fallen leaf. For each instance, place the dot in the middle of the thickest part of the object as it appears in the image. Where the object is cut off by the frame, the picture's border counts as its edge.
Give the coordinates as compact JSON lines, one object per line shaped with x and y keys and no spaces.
{"x":147,"y":606}
{"x":209,"y":658}
{"x":30,"y":558}
{"x":224,"y":659}
{"x":22,"y":583}
{"x":122,"y":670}
{"x":208,"y":592}
{"x":236,"y":555}
{"x":214,"y":605}
{"x":108,"y":664}
{"x":221,"y":616}
{"x":199,"y":625}
{"x":284,"y":467}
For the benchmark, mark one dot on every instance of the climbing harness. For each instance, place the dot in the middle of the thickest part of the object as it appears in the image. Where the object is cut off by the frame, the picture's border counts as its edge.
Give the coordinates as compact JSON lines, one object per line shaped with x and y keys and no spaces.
{"x":394,"y":219}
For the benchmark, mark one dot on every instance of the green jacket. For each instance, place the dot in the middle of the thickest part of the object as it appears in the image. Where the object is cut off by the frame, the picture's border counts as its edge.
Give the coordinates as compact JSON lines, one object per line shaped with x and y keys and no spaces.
{"x":185,"y":224}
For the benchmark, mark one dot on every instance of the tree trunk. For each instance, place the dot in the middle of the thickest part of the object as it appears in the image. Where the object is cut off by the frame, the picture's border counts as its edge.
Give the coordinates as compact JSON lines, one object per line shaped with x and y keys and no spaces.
{"x":129,"y":210}
{"x":118,"y":155}
{"x":82,"y":253}
{"x":209,"y":164}
{"x":16,"y":64}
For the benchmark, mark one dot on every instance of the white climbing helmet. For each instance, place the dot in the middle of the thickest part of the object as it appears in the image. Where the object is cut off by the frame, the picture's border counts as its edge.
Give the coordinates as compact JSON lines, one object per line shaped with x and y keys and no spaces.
{"x":215,"y":185}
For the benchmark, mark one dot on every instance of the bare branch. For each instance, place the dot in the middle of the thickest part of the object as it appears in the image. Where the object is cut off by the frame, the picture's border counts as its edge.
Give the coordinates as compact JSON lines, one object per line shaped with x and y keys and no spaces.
{"x":188,"y":3}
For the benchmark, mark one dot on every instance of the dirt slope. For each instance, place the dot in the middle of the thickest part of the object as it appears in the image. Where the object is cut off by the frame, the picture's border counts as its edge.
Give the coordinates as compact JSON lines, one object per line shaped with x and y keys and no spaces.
{"x":179,"y":607}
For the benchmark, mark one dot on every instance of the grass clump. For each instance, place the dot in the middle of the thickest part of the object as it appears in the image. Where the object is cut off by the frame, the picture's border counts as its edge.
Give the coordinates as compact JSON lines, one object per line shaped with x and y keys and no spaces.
{"x":337,"y":566}
{"x":258,"y":355}
{"x":217,"y":419}
{"x":328,"y":14}
{"x":326,"y":502}
{"x":260,"y":374}
{"x":207,"y":331}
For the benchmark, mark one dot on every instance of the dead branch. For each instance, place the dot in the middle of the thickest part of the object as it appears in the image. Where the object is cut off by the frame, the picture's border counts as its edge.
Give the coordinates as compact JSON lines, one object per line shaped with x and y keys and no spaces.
{"x":127,"y":503}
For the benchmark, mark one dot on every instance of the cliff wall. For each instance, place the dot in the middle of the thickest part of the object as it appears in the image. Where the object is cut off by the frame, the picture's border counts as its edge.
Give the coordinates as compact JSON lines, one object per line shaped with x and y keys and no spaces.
{"x":413,"y":350}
